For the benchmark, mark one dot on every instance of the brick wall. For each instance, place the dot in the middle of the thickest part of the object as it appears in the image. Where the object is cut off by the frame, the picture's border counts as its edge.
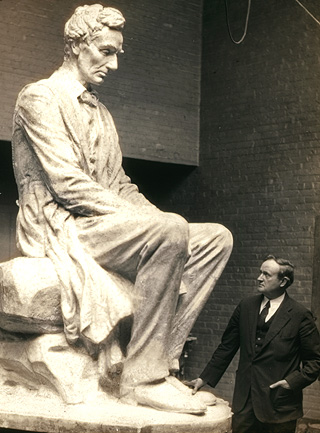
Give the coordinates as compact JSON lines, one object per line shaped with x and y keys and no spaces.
{"x":154,"y":96}
{"x":259,"y":157}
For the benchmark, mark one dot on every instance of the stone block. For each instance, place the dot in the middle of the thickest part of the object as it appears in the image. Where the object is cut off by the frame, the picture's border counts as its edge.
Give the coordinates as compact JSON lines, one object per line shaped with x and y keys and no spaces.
{"x":48,"y":363}
{"x":30,"y":296}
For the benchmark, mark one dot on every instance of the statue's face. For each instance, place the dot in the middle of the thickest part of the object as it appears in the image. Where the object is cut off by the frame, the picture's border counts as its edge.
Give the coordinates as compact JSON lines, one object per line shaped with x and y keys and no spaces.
{"x":99,"y":56}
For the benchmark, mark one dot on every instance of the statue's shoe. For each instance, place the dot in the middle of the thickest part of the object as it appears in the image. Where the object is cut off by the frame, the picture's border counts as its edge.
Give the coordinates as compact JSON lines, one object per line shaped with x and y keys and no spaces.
{"x":163,"y":396}
{"x":205,"y":397}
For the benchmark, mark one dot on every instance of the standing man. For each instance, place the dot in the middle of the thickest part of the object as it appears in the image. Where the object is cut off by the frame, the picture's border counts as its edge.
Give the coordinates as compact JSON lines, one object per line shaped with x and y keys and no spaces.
{"x":77,"y":207}
{"x":279,"y":354}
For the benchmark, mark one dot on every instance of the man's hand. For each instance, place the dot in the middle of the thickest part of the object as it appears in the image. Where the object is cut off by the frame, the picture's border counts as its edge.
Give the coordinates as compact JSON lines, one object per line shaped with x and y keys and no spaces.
{"x":196,"y":384}
{"x":282,"y":383}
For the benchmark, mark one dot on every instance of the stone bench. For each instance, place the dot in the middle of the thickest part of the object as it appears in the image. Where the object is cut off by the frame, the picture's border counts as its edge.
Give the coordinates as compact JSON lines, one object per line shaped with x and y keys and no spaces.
{"x":33,"y":348}
{"x":30,"y":296}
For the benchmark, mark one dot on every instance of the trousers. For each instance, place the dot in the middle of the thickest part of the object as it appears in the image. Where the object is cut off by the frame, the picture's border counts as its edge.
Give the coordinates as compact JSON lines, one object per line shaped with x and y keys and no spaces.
{"x":174,"y":266}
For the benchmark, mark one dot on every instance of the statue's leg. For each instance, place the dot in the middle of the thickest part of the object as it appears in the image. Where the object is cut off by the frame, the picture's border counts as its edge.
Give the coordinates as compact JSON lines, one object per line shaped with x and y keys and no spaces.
{"x":152,"y":250}
{"x":159,"y":273}
{"x":112,"y":357}
{"x":211,"y":246}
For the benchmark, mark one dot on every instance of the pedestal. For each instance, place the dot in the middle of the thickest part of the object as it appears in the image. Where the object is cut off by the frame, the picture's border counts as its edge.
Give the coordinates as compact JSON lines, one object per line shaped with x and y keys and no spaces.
{"x":101,"y":414}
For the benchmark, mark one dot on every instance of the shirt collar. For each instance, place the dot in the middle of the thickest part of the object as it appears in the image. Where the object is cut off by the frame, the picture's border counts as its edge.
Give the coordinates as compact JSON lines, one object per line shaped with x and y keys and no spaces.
{"x":273,"y":302}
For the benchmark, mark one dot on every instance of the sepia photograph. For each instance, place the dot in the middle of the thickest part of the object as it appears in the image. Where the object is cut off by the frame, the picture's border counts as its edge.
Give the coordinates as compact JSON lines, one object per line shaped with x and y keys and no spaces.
{"x":160,"y":216}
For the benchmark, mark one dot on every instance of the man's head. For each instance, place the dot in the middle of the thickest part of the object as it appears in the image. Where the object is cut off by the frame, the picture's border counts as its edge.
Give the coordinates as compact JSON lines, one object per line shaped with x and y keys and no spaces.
{"x":276,"y":275}
{"x":93,"y":40}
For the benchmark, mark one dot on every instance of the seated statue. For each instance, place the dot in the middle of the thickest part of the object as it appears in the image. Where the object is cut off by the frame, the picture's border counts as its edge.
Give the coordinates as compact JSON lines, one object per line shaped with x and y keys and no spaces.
{"x":129,"y":279}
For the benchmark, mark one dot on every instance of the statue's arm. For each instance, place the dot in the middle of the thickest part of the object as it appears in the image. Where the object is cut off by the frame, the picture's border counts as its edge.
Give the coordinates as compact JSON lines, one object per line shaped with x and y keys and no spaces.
{"x":38,"y":115}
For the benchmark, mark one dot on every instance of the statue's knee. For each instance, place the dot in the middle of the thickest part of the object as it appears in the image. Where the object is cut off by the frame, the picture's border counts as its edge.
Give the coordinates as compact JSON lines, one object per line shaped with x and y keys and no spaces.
{"x":226,"y":238}
{"x":175,"y":231}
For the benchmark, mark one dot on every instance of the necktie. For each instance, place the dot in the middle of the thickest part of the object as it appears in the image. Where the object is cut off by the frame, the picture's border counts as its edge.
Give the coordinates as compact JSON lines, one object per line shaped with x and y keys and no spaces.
{"x":89,"y":98}
{"x":263,"y":315}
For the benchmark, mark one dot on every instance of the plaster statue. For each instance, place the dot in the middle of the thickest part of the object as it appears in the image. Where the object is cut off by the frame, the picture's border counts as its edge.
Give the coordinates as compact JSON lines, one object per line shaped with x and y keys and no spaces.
{"x":112,"y":275}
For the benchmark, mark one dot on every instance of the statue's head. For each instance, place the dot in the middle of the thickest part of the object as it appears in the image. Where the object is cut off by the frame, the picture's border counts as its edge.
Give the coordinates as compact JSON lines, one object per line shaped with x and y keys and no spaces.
{"x":93,"y":40}
{"x":87,"y":21}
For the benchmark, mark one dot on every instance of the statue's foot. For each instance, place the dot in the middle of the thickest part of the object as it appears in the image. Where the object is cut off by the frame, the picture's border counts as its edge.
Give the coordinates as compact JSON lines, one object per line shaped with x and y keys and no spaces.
{"x":163,"y":396}
{"x":206,"y":397}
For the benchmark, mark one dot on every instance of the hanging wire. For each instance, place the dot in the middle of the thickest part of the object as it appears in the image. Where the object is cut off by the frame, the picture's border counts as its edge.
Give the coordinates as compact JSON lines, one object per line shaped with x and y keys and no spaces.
{"x":247,"y":20}
{"x":246,"y":24}
{"x":308,"y":12}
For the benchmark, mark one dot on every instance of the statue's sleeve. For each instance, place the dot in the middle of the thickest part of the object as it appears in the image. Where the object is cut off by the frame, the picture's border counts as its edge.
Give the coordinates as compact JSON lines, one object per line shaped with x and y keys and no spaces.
{"x":39,"y":117}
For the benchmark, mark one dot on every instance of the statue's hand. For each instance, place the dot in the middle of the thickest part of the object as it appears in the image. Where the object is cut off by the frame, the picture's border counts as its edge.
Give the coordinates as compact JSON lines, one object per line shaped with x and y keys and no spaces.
{"x":196,"y":384}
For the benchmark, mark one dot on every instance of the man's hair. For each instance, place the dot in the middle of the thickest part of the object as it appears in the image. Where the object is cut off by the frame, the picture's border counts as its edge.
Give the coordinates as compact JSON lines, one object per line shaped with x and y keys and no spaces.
{"x":286,"y":269}
{"x":86,"y":21}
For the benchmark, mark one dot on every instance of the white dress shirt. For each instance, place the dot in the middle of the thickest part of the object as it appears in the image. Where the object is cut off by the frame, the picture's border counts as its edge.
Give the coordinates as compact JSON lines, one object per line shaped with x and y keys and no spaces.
{"x":274,"y":305}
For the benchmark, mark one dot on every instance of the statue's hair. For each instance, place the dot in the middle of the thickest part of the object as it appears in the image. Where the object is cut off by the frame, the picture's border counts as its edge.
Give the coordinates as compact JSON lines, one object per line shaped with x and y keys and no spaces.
{"x":88,"y":20}
{"x":286,"y":269}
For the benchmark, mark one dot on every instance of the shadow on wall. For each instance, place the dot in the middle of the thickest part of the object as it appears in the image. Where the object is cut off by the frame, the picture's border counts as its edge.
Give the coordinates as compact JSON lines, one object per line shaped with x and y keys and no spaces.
{"x":8,"y":207}
{"x":157,"y":180}
{"x":8,"y":188}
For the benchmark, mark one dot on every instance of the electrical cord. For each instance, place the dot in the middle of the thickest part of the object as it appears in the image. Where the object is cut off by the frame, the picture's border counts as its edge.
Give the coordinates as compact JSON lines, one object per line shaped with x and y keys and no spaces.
{"x":308,"y":12}
{"x":245,"y":27}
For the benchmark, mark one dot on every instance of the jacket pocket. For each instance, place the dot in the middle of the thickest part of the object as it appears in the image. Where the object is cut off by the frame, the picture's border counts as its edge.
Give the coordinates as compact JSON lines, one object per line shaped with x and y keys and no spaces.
{"x":285,"y":400}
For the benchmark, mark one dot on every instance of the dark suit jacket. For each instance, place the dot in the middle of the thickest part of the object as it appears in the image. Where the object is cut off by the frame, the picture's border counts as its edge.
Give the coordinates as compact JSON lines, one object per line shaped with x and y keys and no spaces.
{"x":291,"y":351}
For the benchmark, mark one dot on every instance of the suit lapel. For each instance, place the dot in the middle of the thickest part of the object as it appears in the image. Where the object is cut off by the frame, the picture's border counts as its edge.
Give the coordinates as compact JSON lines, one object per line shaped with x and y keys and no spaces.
{"x":281,"y":318}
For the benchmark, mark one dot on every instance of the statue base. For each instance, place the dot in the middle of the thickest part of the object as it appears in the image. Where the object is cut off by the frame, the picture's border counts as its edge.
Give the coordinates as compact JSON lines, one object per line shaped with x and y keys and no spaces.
{"x":101,"y":413}
{"x":48,"y":386}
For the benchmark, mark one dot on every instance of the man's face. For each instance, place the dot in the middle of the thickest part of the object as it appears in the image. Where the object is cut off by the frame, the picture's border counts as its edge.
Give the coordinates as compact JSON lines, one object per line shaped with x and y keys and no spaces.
{"x":269,"y":283}
{"x":99,"y":56}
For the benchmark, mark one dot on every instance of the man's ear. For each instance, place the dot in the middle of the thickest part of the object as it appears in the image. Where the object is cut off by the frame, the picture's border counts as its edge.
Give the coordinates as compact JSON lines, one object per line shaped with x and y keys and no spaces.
{"x":75,"y":48}
{"x":284,"y":281}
